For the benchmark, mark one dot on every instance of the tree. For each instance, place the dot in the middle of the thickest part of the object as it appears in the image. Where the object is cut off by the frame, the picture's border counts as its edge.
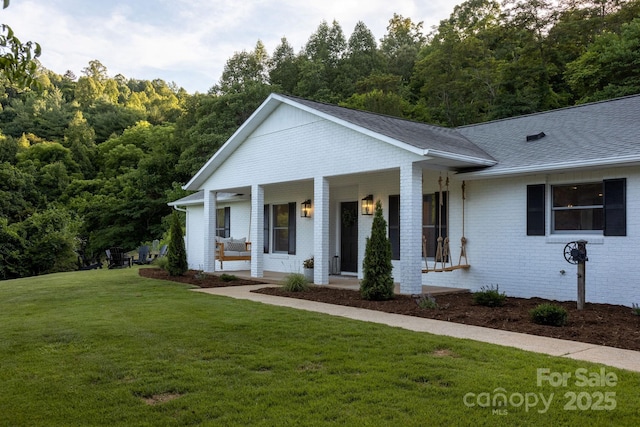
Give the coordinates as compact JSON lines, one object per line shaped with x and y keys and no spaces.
{"x":457,"y":75}
{"x":49,"y":241}
{"x":176,"y":254}
{"x":283,"y":67}
{"x":377,"y":283}
{"x":17,"y":60}
{"x":11,"y":250}
{"x":243,"y":69}
{"x":401,"y":44}
{"x":609,"y":67}
{"x":322,"y":55}
{"x":80,"y":139}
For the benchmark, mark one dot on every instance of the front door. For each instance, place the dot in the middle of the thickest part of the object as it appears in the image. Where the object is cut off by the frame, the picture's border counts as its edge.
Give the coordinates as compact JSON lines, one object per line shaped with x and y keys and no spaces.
{"x":349,"y":237}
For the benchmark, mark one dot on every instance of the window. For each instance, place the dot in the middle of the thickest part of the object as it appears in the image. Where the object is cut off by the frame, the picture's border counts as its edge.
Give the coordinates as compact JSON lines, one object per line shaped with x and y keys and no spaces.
{"x":284,"y":228}
{"x":434,"y":222}
{"x":577,"y":207}
{"x":223,"y":222}
{"x":585,"y":207}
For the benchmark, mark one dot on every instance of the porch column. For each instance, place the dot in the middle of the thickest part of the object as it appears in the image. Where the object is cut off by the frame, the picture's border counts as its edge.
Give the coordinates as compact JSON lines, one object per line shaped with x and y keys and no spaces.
{"x":321,"y":231}
{"x":257,"y":231}
{"x":410,"y":229}
{"x":210,"y":206}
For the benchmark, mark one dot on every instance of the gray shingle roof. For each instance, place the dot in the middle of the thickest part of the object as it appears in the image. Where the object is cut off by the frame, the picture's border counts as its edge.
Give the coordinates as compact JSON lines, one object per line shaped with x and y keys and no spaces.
{"x":416,"y":134}
{"x":600,"y":133}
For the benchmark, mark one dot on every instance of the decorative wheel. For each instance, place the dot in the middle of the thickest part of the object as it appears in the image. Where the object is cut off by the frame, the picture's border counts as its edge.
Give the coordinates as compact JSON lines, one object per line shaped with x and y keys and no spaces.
{"x":571,"y":252}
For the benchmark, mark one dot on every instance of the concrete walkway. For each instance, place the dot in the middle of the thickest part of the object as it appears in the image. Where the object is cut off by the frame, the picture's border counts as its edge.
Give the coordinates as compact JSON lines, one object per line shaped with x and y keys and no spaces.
{"x":623,"y":359}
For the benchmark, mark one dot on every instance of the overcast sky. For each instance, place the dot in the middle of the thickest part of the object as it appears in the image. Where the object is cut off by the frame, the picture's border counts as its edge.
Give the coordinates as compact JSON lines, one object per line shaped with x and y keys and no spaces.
{"x":189,"y":41}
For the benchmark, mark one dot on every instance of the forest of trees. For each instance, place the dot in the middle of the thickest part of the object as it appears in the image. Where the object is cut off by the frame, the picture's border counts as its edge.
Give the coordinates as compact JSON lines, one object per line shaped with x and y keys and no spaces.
{"x":90,"y":161}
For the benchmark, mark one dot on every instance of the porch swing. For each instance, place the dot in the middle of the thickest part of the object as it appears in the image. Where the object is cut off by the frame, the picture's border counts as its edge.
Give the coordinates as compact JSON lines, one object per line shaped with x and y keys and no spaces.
{"x":443,"y":253}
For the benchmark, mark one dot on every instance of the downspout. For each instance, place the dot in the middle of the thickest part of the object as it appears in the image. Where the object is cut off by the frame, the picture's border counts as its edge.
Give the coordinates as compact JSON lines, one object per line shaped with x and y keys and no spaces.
{"x":179,"y":209}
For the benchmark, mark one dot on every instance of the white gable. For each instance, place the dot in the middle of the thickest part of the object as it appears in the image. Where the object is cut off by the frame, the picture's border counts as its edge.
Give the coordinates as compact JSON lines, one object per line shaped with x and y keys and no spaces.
{"x":292,"y":144}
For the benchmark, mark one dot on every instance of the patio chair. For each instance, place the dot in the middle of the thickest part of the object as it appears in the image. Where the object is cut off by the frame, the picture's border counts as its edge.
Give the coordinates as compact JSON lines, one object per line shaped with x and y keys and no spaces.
{"x":163,"y":251}
{"x":143,"y":256}
{"x":116,"y":257}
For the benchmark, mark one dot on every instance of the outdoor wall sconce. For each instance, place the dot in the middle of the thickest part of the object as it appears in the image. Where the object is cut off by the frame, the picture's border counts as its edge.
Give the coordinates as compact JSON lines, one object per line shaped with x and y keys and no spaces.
{"x":305,"y":212}
{"x":367,"y":205}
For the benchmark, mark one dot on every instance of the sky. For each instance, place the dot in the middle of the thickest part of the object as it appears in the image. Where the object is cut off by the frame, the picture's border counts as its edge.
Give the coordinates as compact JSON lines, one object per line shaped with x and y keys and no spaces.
{"x":189,"y":41}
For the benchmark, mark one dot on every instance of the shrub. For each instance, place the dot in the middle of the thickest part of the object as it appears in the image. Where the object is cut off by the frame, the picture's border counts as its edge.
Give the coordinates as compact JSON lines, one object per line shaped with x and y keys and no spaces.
{"x":295,"y":282}
{"x":489,"y":296}
{"x":636,"y":309}
{"x":549,"y":314}
{"x":427,"y":301}
{"x":228,"y":277}
{"x":176,"y":254}
{"x":377,"y":283}
{"x":162,"y":262}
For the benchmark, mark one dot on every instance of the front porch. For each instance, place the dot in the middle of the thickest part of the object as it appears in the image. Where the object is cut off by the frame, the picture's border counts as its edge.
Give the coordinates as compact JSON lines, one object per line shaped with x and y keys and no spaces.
{"x":336,"y":281}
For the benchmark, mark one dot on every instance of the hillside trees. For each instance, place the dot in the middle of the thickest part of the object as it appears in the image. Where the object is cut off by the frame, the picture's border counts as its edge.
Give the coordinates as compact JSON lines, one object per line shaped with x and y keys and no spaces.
{"x":103,"y":155}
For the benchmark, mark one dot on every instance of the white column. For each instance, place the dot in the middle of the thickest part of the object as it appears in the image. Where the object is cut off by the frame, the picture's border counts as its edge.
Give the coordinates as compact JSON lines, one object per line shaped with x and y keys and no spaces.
{"x":321,"y":231}
{"x":209,"y":229}
{"x":410,"y":229}
{"x":257,"y":231}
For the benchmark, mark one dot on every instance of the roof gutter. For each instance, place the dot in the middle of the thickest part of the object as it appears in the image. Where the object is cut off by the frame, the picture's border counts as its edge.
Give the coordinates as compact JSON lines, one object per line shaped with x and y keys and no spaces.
{"x":555,"y":167}
{"x":477,"y":161}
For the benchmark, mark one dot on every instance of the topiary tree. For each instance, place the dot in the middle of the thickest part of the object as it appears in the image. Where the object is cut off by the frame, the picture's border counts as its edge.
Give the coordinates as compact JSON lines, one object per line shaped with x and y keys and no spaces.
{"x":176,"y":253}
{"x":377,"y":283}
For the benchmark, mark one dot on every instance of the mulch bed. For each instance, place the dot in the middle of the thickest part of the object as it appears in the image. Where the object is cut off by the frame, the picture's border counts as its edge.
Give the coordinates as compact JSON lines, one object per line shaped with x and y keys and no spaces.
{"x":602,"y":324}
{"x":195,"y":278}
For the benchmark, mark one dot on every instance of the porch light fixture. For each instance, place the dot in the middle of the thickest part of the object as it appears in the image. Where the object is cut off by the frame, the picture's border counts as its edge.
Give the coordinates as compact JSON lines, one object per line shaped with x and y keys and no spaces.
{"x":367,"y":205}
{"x":305,"y":212}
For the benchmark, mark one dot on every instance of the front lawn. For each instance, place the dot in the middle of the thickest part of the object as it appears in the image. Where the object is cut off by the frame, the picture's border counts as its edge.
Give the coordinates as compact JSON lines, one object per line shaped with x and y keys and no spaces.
{"x":108,"y":347}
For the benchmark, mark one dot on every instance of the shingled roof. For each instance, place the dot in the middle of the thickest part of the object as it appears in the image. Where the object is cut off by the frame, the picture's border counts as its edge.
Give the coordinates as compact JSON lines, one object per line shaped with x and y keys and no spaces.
{"x":590,"y":135}
{"x":420,"y":135}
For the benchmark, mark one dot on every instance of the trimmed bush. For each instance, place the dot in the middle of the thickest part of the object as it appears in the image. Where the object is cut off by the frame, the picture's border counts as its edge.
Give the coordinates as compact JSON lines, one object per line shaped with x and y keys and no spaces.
{"x":176,"y":253}
{"x":377,"y":283}
{"x":295,"y":282}
{"x":549,"y":314}
{"x":489,"y":296}
{"x":228,"y":277}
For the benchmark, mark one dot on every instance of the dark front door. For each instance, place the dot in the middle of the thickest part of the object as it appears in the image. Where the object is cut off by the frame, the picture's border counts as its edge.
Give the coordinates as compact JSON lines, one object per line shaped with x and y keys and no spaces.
{"x":349,"y":237}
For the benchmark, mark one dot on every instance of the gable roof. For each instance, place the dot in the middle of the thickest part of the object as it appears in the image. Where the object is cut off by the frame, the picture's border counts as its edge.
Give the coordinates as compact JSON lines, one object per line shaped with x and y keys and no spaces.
{"x":435,"y":139}
{"x":598,"y":134}
{"x":419,"y":138}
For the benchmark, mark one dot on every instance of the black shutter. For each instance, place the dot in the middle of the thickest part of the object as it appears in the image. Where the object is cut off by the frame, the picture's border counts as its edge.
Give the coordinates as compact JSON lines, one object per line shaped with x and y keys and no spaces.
{"x":227,"y":222}
{"x":394,"y":226}
{"x":535,"y":209}
{"x":292,"y":228}
{"x":615,"y":209}
{"x":266,"y":229}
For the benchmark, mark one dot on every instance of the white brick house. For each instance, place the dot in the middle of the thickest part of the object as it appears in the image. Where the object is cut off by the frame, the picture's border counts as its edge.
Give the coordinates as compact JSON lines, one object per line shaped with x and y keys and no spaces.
{"x":532,"y":184}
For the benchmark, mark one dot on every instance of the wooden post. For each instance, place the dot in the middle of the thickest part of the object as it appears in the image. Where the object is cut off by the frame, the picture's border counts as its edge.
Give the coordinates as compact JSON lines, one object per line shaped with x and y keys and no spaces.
{"x":581,"y":280}
{"x":582,"y":271}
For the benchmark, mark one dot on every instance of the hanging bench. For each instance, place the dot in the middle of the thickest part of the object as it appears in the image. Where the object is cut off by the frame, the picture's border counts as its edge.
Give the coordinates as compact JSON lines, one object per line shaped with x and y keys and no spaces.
{"x":232,"y":250}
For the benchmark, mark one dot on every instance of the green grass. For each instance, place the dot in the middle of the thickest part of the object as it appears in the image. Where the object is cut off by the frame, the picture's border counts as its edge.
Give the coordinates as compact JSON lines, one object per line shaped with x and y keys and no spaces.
{"x":87,"y":348}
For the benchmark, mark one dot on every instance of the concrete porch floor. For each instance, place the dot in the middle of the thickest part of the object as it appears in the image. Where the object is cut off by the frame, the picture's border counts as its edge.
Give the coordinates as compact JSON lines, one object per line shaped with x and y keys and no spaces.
{"x":337,"y":281}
